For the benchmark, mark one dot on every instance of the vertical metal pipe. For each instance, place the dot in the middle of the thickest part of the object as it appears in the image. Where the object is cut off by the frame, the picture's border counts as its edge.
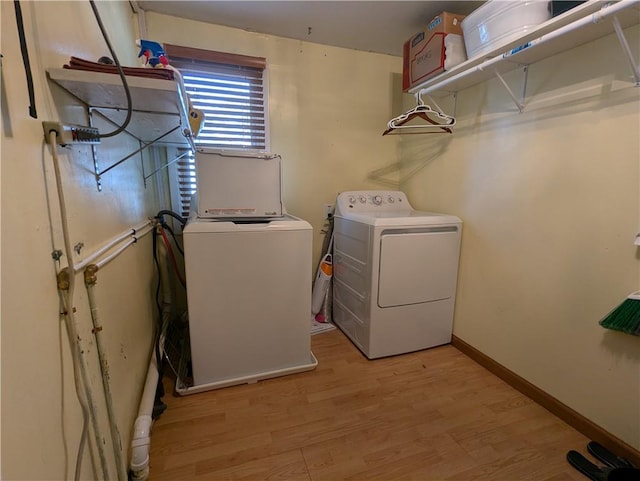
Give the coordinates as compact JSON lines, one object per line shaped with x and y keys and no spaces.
{"x":90,"y":280}
{"x":71,"y":323}
{"x":63,"y":286}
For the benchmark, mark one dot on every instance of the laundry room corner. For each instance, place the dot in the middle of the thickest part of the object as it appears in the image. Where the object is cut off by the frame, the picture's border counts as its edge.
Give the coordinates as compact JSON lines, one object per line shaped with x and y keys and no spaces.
{"x":216,"y":261}
{"x":549,"y":201}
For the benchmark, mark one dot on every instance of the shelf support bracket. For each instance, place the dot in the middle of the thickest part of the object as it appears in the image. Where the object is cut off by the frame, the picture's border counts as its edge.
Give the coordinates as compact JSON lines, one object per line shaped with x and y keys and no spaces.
{"x":635,"y":69}
{"x":147,"y":177}
{"x":519,"y":102}
{"x":94,"y":154}
{"x":144,"y":146}
{"x":455,"y":104}
{"x":433,"y":102}
{"x":99,"y":173}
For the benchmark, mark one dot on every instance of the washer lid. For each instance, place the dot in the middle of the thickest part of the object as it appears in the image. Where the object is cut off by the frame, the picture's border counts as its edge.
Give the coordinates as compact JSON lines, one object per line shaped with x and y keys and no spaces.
{"x":285,"y":223}
{"x":401,"y":218}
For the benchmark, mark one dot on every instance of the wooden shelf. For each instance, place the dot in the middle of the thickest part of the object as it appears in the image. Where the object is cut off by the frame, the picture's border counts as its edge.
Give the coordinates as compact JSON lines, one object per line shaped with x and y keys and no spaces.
{"x":575,"y":27}
{"x":156,"y":102}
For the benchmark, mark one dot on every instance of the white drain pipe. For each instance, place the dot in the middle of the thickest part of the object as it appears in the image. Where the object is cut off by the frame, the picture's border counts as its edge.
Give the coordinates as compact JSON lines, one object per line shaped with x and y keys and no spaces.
{"x":141,"y":442}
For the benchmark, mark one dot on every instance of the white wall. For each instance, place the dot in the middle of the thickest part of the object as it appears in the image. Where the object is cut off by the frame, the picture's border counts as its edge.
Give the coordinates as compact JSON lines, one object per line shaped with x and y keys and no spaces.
{"x":328,"y":108}
{"x":41,"y":419}
{"x":550,"y":204}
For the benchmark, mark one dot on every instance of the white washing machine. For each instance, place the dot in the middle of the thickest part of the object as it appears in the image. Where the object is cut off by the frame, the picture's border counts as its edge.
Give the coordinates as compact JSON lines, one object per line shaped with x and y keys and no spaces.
{"x":395,"y":273}
{"x":249,"y":298}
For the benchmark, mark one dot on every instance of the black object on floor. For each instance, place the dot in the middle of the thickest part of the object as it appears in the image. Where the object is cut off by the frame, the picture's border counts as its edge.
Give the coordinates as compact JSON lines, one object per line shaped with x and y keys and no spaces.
{"x":605,"y":473}
{"x":607,"y":457}
{"x":586,"y":467}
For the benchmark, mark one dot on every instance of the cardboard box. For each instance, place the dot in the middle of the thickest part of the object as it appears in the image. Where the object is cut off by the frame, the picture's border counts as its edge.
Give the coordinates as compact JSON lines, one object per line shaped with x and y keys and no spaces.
{"x":424,"y":53}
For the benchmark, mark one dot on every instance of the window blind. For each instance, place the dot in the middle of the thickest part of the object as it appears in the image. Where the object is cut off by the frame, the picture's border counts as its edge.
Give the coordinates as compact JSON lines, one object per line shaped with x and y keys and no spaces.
{"x":232,"y":100}
{"x":185,"y":181}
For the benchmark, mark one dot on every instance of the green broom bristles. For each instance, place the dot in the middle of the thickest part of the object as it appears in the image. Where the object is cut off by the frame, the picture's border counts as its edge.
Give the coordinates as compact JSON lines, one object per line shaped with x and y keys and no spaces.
{"x":625,"y":317}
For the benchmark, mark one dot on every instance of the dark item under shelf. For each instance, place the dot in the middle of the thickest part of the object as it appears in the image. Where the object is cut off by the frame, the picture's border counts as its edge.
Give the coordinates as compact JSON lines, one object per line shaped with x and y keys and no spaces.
{"x":557,"y":7}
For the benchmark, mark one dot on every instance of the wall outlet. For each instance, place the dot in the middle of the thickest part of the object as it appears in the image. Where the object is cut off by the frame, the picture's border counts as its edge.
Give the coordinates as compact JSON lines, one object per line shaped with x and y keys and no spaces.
{"x":328,"y":210}
{"x":71,"y":134}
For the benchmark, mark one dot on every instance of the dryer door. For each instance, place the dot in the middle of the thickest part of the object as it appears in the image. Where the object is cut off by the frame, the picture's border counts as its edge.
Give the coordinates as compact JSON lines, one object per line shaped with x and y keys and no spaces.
{"x":417,"y":266}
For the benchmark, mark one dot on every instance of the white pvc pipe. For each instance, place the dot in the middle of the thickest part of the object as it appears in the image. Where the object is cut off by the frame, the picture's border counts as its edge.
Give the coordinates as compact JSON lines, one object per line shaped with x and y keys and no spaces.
{"x":110,"y":244}
{"x":141,"y":438}
{"x":139,"y":464}
{"x":89,"y":408}
{"x":141,"y":230}
{"x":104,"y":261}
{"x":77,"y":352}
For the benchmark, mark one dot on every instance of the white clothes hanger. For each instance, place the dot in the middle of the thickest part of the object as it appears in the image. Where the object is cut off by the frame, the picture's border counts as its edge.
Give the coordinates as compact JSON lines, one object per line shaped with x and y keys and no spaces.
{"x":440,"y":124}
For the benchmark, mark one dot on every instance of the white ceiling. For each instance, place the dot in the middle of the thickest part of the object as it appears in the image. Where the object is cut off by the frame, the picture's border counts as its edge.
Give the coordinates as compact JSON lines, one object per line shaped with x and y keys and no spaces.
{"x":372,"y":26}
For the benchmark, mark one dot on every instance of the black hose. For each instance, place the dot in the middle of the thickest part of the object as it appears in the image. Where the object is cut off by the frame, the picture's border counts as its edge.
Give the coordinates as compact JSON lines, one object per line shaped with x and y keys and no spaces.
{"x":159,"y":406}
{"x":180,"y":219}
{"x":120,"y":71}
{"x":158,"y":329}
{"x":25,"y":60}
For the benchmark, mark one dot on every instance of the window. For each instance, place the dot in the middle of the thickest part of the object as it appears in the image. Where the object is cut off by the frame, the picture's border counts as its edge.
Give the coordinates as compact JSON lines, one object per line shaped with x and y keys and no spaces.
{"x":230,"y":90}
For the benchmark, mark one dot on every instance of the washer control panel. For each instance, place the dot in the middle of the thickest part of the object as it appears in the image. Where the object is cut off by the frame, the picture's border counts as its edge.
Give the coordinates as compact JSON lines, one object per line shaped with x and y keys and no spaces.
{"x":371,"y":201}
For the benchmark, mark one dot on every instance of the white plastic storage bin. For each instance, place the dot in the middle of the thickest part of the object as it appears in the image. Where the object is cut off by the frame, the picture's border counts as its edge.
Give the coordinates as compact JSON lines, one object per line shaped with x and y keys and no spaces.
{"x":232,"y":184}
{"x":498,"y":22}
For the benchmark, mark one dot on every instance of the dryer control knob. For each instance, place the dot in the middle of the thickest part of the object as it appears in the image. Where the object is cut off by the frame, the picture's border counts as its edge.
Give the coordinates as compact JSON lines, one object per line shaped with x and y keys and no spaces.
{"x":352,"y":200}
{"x":362,"y":199}
{"x":377,"y":199}
{"x":391,"y":200}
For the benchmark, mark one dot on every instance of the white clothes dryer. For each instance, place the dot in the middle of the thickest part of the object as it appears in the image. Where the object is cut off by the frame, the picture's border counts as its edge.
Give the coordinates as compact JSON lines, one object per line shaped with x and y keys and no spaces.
{"x":395,"y":273}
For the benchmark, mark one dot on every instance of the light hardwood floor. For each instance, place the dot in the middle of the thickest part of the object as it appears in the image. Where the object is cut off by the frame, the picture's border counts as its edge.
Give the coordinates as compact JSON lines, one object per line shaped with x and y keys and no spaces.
{"x":429,"y":415}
